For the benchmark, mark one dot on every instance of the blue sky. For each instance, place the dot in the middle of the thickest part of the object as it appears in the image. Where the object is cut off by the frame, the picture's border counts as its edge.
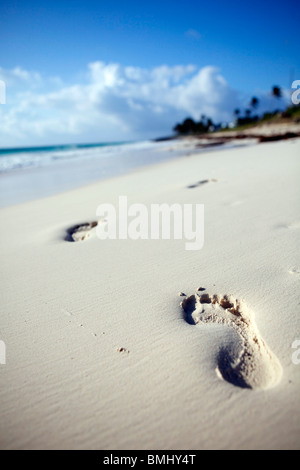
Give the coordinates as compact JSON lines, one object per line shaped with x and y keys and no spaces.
{"x":47,"y":49}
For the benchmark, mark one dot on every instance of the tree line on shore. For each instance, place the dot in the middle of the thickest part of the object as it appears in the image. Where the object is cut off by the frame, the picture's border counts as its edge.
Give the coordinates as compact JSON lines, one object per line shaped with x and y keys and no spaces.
{"x":205,"y":124}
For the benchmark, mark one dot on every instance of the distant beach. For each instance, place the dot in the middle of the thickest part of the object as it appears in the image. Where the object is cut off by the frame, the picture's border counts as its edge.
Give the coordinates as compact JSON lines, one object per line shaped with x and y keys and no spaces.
{"x":30,"y":173}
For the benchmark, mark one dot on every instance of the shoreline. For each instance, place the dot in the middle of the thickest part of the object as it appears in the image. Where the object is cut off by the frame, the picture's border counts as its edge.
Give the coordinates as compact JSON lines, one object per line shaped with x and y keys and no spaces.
{"x":30,"y":183}
{"x":34,"y":180}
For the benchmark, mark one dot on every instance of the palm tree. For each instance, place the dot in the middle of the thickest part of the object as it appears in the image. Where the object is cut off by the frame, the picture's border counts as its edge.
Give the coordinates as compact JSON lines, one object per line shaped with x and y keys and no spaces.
{"x":276,"y":92}
{"x":254,"y":102}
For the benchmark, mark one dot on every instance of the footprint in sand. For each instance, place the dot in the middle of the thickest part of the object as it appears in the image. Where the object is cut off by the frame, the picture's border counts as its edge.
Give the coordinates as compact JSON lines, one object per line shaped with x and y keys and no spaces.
{"x":294,"y":225}
{"x":248,"y":362}
{"x":80,"y":232}
{"x":200,"y":183}
{"x":294,"y":270}
{"x":291,"y":226}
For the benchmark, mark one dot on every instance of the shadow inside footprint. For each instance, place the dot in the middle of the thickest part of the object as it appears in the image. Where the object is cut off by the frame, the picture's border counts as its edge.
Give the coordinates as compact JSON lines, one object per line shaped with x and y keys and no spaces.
{"x":189,"y":308}
{"x":79,"y":232}
{"x":226,"y":369}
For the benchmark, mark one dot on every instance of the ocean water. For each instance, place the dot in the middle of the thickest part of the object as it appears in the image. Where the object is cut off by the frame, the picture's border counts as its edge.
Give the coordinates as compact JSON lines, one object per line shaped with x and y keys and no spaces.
{"x":30,"y":173}
{"x":26,"y":157}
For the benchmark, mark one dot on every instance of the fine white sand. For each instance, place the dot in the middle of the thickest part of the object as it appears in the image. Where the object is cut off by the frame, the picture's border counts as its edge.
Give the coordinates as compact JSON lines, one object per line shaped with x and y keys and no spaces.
{"x":100,"y":354}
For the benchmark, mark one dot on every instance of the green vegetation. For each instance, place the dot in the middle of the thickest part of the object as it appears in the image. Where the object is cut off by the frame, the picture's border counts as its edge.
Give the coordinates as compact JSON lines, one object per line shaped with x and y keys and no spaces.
{"x":189,"y":126}
{"x":292,"y":112}
{"x":241,"y":122}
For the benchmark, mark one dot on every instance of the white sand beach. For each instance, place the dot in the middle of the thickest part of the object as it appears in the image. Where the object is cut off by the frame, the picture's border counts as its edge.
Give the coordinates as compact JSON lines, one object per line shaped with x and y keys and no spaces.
{"x":100,"y":354}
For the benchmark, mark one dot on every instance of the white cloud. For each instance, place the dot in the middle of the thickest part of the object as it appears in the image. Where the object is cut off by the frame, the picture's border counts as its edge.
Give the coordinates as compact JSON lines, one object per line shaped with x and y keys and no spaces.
{"x":19,"y":76}
{"x":113,"y":103}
